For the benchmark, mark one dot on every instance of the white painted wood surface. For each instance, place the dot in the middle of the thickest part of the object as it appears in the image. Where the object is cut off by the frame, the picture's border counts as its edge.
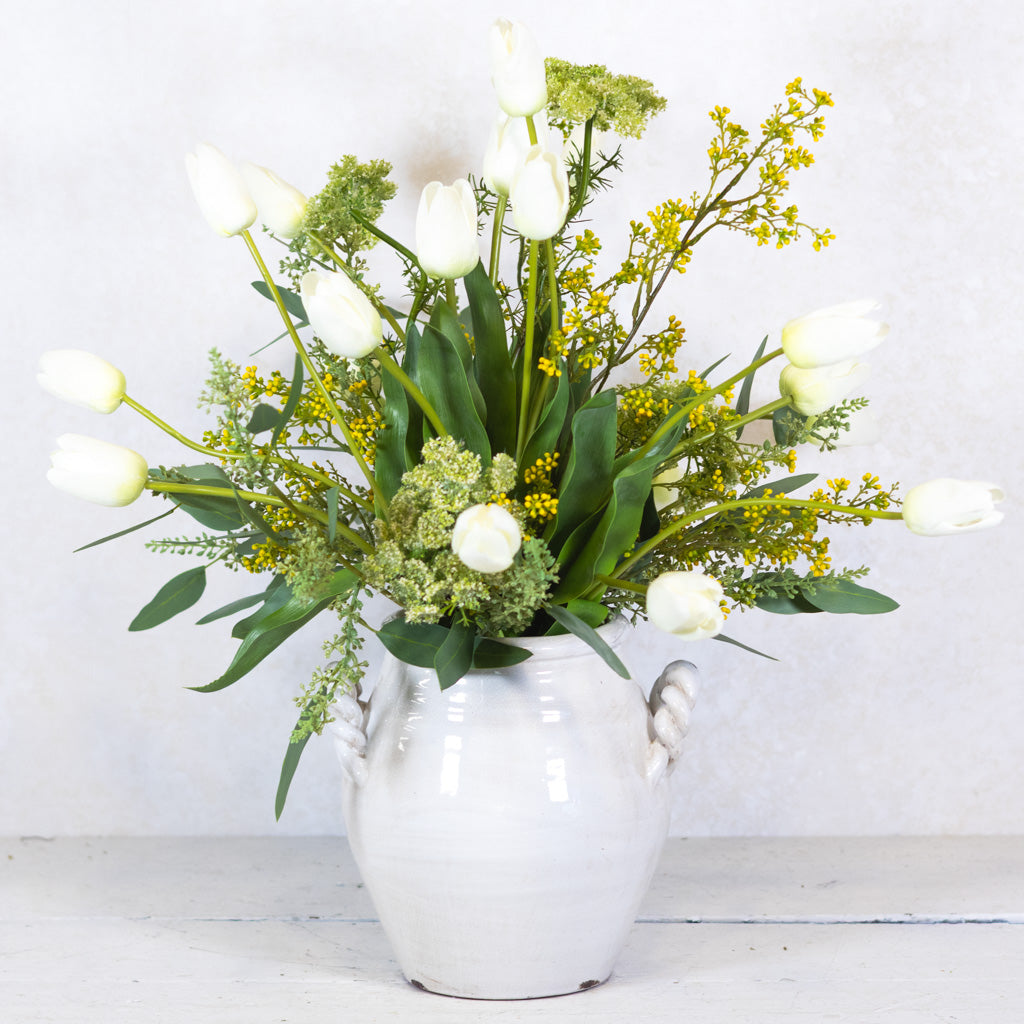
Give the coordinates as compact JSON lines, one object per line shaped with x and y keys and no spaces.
{"x":261,"y":931}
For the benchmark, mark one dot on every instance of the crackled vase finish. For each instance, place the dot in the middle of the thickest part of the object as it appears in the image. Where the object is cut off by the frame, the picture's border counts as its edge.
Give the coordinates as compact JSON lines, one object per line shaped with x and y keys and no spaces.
{"x":507,"y":828}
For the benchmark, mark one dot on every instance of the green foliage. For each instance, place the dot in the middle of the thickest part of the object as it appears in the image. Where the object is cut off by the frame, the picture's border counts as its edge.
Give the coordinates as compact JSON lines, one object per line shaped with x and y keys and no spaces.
{"x":353,"y":197}
{"x":622,"y":103}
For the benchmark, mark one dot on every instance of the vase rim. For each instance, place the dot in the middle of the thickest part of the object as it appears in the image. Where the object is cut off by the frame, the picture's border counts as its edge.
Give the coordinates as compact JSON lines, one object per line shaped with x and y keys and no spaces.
{"x":567,"y":645}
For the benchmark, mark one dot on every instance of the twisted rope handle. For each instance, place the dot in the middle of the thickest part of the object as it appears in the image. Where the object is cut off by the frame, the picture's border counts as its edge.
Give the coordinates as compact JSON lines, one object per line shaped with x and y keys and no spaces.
{"x":349,"y":738}
{"x":672,"y":700}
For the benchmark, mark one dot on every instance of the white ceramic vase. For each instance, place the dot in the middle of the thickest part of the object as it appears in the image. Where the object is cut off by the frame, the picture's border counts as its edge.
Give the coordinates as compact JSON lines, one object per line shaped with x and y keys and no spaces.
{"x":507,"y":828}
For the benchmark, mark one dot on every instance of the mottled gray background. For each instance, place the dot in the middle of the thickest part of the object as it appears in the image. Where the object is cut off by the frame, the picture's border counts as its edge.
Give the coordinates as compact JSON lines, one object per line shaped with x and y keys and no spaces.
{"x":908,"y":723}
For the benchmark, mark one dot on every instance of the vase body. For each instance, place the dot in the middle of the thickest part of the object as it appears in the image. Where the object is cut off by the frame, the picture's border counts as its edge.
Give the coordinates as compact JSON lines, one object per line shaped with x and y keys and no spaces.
{"x":508,"y":827}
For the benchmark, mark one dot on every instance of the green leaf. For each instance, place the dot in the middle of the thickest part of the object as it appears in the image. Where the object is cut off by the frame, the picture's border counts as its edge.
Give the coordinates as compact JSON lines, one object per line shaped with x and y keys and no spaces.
{"x":588,"y":470}
{"x":593,"y":613}
{"x":454,"y":658}
{"x":743,"y":403}
{"x":577,"y":626}
{"x":735,"y":643}
{"x":781,"y":605}
{"x":269,"y":631}
{"x":276,"y":594}
{"x":288,"y":766}
{"x":842,"y":597}
{"x":784,"y":485}
{"x":545,"y":437}
{"x":264,"y":417}
{"x":704,"y":374}
{"x":490,"y":654}
{"x":212,"y":511}
{"x":415,"y":643}
{"x":391,"y":459}
{"x":173,"y":597}
{"x":122,"y":533}
{"x":229,"y":609}
{"x":415,"y":435}
{"x":442,"y":378}
{"x":492,"y":365}
{"x":292,"y":302}
{"x":252,"y":516}
{"x":294,"y":394}
{"x":445,"y":322}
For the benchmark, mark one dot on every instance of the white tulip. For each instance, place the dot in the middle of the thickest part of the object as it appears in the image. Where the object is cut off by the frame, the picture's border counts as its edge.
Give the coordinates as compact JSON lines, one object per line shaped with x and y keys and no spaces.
{"x":686,"y":604}
{"x":486,"y":538}
{"x":663,"y":487}
{"x":343,"y":318}
{"x":815,"y":390}
{"x":82,"y":378}
{"x":220,"y":190}
{"x":281,"y":206}
{"x":832,"y":335}
{"x":446,"y":239}
{"x":97,"y":471}
{"x":943,"y":507}
{"x":540,"y":195}
{"x":517,"y":69}
{"x":507,"y":148}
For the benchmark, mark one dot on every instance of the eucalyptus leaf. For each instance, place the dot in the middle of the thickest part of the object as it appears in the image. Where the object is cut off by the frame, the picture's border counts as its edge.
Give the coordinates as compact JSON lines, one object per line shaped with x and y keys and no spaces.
{"x":229,"y":609}
{"x":743,"y":402}
{"x":842,"y":597}
{"x":454,"y":658}
{"x":173,"y":597}
{"x":735,"y":643}
{"x":292,"y":301}
{"x":784,"y":485}
{"x":264,"y":417}
{"x":294,"y":394}
{"x":780,"y":604}
{"x":787,"y":425}
{"x":276,"y":594}
{"x":492,"y":654}
{"x":288,"y":766}
{"x":415,"y":643}
{"x":331,"y":498}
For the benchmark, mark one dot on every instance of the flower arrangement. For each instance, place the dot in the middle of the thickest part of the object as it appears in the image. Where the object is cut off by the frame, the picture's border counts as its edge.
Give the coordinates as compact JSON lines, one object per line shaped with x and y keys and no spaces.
{"x":471,"y":452}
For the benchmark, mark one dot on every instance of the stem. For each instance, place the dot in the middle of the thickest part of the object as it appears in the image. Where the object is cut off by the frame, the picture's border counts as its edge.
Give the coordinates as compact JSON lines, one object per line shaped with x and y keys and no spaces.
{"x":499,"y":220}
{"x":531,"y":129}
{"x":449,"y":296}
{"x":581,"y":192}
{"x":611,"y":581}
{"x":174,"y":487}
{"x":728,"y":506}
{"x":531,"y":308}
{"x":779,"y":403}
{"x":313,"y":375}
{"x":412,"y":390}
{"x":168,"y":429}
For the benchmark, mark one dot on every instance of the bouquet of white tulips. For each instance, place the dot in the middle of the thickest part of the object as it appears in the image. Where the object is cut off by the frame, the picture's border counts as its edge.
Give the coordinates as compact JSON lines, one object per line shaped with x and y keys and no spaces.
{"x":463,"y":449}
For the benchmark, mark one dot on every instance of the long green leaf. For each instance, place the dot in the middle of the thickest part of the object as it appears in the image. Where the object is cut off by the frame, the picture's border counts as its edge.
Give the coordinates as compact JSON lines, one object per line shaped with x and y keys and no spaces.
{"x":122,"y":533}
{"x":276,"y":594}
{"x":574,"y":624}
{"x":211,"y":511}
{"x":229,"y":609}
{"x":735,"y":643}
{"x":784,"y":485}
{"x":743,"y":402}
{"x":270,"y":631}
{"x":447,"y":323}
{"x":288,"y":766}
{"x":173,"y":597}
{"x":442,"y":378}
{"x":786,"y":425}
{"x":842,"y":597}
{"x":545,"y":437}
{"x":492,"y":365}
{"x":264,"y":417}
{"x":588,"y":469}
{"x":454,"y":658}
{"x":782,"y":605}
{"x":492,"y":654}
{"x":331,"y":498}
{"x":415,"y":643}
{"x":391,"y":458}
{"x":294,"y":394}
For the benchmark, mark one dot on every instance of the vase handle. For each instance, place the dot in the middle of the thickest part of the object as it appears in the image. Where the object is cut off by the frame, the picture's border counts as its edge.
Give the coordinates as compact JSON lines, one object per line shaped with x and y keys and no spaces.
{"x":349,"y":738}
{"x":672,"y":700}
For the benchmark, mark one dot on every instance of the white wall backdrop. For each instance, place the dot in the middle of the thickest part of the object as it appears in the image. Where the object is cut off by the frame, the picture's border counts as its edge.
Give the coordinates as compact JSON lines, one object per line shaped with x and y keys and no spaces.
{"x":907,"y":723}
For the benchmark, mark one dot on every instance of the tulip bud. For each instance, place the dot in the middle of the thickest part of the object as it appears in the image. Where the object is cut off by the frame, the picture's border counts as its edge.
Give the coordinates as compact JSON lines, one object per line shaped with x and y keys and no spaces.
{"x":686,"y":604}
{"x":97,"y":471}
{"x":220,"y":190}
{"x":486,"y":538}
{"x":540,"y":195}
{"x":446,"y":239}
{"x":943,"y":507}
{"x":813,"y":391}
{"x":507,"y":148}
{"x":343,"y":318}
{"x":517,"y":69}
{"x":832,"y":335}
{"x":281,"y":206}
{"x":82,"y":378}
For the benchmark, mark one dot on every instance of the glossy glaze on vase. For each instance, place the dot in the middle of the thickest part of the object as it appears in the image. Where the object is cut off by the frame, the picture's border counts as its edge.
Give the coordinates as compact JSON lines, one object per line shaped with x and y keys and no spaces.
{"x":508,"y":827}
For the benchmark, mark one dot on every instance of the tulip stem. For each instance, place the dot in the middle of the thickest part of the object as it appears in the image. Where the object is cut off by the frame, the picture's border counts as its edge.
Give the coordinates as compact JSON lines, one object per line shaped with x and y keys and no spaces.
{"x":412,"y":390}
{"x":744,"y":503}
{"x":531,"y":308}
{"x":311,"y":372}
{"x":175,"y":487}
{"x":611,"y":581}
{"x":499,"y":221}
{"x":168,"y":429}
{"x":584,"y":183}
{"x":450,"y":297}
{"x":531,"y":129}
